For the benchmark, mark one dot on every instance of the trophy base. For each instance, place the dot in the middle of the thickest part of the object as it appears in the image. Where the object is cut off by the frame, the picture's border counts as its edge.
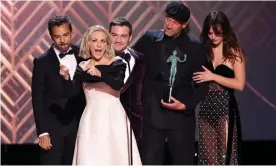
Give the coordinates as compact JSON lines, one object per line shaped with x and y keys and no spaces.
{"x":167,"y":94}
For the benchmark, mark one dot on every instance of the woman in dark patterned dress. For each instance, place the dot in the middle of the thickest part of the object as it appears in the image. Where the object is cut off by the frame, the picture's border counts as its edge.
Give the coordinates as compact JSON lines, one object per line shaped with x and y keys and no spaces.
{"x":219,"y":121}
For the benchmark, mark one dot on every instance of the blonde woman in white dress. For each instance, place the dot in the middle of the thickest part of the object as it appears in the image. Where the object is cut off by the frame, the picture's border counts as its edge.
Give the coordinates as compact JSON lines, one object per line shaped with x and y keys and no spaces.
{"x":103,"y":136}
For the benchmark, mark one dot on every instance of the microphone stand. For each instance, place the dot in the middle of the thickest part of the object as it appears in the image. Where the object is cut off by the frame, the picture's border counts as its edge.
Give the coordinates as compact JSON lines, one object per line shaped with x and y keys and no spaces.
{"x":130,"y":112}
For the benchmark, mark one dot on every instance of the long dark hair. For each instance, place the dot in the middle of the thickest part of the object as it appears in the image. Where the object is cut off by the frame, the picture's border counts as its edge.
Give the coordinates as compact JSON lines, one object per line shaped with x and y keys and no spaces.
{"x":221,"y":25}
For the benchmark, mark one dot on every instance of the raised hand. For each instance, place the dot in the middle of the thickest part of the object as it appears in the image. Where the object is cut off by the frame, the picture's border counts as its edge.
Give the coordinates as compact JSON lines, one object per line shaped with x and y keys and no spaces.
{"x":92,"y":70}
{"x":64,"y":71}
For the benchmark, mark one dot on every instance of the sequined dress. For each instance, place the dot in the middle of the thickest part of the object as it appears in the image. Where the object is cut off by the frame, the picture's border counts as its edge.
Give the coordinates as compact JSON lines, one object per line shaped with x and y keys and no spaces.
{"x":219,"y":124}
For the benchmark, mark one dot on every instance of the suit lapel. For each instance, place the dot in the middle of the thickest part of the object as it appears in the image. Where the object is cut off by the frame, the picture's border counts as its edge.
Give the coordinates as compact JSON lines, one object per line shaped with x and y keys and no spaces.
{"x":159,"y":56}
{"x":54,"y":62}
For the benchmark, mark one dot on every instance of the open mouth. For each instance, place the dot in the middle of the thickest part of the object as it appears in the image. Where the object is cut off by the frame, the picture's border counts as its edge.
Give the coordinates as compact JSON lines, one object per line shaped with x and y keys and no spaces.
{"x":98,"y":51}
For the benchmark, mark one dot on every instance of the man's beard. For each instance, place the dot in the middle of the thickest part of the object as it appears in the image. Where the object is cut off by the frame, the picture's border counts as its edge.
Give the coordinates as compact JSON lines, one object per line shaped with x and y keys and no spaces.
{"x":63,"y":47}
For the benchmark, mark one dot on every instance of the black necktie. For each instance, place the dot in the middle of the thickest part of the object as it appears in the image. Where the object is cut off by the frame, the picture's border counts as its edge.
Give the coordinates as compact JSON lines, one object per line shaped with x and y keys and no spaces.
{"x":61,"y":55}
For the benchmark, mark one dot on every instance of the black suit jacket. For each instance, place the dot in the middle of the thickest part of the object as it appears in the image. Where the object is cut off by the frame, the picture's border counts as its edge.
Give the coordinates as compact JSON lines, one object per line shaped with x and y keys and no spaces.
{"x":54,"y":109}
{"x":157,"y":78}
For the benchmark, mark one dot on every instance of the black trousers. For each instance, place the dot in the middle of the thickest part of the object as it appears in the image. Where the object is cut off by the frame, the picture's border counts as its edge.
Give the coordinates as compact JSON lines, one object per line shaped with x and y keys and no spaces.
{"x":62,"y":150}
{"x":180,"y":144}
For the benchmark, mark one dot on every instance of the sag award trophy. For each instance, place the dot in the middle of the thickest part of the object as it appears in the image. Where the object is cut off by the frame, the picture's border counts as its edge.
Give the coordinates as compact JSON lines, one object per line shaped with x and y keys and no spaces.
{"x":173,"y":59}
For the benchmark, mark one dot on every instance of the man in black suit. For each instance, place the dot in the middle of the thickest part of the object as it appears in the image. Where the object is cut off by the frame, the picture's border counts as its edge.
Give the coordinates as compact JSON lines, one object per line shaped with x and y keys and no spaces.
{"x":173,"y":122}
{"x":120,"y":30}
{"x":56,"y":112}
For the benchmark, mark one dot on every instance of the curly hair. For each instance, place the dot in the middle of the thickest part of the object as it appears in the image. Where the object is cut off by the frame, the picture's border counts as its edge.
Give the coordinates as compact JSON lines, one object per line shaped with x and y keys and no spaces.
{"x":232,"y":50}
{"x":85,"y":51}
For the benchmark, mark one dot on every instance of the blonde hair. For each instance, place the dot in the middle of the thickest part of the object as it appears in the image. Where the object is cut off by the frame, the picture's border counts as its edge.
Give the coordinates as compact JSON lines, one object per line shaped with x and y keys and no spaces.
{"x":85,"y":49}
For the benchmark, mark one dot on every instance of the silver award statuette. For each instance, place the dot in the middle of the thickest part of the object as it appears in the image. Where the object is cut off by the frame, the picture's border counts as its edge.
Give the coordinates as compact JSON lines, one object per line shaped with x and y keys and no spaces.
{"x":173,"y":59}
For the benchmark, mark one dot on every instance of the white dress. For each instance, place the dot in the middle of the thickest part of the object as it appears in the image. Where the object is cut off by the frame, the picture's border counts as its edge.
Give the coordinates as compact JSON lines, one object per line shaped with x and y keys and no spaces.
{"x":104,"y":135}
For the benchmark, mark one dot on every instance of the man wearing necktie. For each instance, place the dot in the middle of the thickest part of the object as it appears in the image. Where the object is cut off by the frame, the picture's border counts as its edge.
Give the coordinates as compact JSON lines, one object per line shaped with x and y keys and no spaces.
{"x":56,"y":112}
{"x":120,"y":30}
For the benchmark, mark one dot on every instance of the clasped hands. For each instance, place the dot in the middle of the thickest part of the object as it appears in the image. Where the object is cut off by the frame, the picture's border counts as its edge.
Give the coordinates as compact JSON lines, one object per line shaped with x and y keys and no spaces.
{"x":92,"y":70}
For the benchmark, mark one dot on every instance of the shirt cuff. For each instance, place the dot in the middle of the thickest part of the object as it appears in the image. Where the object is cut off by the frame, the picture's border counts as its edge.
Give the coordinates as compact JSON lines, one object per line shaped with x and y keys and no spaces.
{"x":43,"y":134}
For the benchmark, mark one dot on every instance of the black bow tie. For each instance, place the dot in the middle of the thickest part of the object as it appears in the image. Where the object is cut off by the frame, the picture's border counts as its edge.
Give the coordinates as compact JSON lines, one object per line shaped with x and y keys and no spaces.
{"x":126,"y":56}
{"x":61,"y":55}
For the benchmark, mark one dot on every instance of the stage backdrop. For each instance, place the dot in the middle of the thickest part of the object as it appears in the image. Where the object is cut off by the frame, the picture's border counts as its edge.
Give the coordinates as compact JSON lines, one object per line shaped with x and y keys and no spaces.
{"x":24,"y":35}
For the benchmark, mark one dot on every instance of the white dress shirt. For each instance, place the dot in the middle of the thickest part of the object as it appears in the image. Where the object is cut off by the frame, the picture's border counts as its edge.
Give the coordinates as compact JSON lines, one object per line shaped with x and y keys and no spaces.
{"x":69,"y":61}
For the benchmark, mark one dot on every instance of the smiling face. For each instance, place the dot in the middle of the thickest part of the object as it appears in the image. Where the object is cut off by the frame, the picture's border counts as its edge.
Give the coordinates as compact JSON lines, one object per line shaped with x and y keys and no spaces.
{"x":120,"y":36}
{"x":98,"y":45}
